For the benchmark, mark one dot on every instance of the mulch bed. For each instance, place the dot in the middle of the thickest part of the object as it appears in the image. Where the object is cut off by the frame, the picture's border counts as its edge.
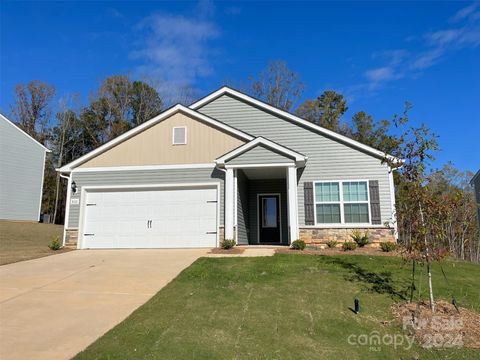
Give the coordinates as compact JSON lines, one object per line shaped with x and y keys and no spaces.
{"x":310,"y":250}
{"x":234,"y":250}
{"x":447,"y":327}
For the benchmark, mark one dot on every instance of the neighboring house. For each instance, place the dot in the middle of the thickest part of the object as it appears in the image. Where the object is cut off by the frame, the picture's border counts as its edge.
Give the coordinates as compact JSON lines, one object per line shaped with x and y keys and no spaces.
{"x":228,"y":166}
{"x":476,"y":186}
{"x":22,"y":164}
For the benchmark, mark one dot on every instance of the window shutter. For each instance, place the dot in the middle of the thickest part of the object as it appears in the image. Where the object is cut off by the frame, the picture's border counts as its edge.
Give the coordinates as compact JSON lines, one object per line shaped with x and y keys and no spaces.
{"x":308,"y":201}
{"x":375,"y":202}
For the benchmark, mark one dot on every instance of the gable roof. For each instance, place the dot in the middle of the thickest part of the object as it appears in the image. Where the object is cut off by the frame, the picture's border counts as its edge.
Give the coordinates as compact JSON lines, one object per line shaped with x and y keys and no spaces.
{"x":24,"y":133}
{"x":162,"y":116}
{"x":300,"y":159}
{"x":472,"y":182}
{"x":292,"y":118}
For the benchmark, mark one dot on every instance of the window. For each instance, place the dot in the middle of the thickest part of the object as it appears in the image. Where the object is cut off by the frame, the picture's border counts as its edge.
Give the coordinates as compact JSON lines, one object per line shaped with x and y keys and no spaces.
{"x":179,"y":135}
{"x":342,"y":202}
{"x":269,"y":212}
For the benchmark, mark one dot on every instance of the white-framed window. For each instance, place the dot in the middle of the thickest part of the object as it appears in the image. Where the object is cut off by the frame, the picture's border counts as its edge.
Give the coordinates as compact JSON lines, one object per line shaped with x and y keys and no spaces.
{"x":342,"y":202}
{"x":179,"y":135}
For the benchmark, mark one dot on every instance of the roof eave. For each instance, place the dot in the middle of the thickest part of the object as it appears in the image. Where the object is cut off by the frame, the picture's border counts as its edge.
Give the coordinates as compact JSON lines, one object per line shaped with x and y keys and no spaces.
{"x":235,"y":93}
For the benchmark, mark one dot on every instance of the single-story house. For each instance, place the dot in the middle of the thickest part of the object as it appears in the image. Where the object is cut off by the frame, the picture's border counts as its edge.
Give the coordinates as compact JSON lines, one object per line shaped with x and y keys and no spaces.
{"x":475,"y":182}
{"x":228,"y":166}
{"x":22,"y":166}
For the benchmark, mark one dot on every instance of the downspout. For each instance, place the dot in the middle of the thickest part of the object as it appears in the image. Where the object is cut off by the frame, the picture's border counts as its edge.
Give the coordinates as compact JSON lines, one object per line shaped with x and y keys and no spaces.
{"x":67,"y":206}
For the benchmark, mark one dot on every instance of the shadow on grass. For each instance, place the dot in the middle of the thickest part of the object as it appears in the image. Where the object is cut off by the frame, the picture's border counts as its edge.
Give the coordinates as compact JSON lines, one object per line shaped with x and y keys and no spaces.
{"x":381,"y":283}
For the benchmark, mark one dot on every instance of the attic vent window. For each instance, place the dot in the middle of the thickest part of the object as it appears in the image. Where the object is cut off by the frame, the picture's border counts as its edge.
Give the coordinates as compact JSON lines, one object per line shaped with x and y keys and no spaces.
{"x":179,"y":135}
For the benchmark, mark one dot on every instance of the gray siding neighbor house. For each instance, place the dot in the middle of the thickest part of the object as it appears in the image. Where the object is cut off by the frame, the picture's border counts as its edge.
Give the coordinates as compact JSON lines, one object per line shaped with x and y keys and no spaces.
{"x":476,"y":187}
{"x":228,"y":167}
{"x":22,"y":164}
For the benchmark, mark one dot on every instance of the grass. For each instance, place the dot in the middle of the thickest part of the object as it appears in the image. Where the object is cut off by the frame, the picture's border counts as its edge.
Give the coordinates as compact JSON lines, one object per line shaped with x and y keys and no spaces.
{"x":283,"y":307}
{"x":24,"y":240}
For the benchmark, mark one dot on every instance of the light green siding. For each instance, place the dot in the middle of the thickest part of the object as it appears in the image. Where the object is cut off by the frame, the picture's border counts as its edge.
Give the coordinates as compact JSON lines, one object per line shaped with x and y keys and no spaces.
{"x":242,"y":208}
{"x":260,"y":155}
{"x":328,"y":159}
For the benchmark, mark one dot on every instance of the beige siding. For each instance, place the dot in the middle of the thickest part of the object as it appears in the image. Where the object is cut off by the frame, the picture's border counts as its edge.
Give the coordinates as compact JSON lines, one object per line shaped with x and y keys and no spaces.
{"x":154,"y":145}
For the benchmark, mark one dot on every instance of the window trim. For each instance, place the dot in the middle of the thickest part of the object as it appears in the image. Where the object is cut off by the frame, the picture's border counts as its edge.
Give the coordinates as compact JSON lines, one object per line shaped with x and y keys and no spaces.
{"x":173,"y":135}
{"x":341,"y":202}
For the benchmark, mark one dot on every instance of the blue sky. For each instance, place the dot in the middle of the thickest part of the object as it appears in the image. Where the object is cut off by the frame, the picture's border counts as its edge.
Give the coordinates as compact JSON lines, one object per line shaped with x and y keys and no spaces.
{"x":378,"y":54}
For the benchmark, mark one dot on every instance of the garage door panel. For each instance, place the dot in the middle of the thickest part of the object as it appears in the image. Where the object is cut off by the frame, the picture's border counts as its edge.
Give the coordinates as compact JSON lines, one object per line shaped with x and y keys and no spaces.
{"x":184,"y":217}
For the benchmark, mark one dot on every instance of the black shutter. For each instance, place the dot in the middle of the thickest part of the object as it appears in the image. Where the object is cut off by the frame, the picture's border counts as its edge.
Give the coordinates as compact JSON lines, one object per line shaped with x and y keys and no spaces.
{"x":308,"y":201}
{"x":375,"y":202}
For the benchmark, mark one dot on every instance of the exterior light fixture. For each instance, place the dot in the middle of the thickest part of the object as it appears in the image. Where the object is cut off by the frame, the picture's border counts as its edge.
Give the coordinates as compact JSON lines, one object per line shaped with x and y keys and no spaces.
{"x":74,"y":187}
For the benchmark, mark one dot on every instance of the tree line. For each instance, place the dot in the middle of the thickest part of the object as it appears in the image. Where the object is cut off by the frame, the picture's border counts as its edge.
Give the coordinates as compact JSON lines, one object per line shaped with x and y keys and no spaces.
{"x":443,"y":196}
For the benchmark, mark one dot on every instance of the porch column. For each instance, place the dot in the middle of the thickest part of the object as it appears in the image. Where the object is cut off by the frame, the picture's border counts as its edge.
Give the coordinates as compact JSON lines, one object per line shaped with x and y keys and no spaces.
{"x":292,"y":203}
{"x":229,"y":203}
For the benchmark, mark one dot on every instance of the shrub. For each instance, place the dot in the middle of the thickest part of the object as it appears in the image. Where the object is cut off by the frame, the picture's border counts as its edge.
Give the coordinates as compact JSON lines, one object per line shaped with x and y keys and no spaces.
{"x":388,"y":246}
{"x":332,"y":243}
{"x":359,"y":238}
{"x":227,"y":244}
{"x":349,"y":245}
{"x":298,"y":245}
{"x":55,"y":244}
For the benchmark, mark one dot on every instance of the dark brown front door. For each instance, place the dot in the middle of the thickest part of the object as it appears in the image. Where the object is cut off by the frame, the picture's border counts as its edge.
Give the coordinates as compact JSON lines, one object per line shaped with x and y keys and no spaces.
{"x":269,"y":218}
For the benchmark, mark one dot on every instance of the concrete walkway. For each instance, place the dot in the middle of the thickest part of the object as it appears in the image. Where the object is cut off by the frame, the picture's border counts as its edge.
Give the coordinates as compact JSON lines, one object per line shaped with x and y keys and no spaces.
{"x":54,"y":307}
{"x":250,"y":251}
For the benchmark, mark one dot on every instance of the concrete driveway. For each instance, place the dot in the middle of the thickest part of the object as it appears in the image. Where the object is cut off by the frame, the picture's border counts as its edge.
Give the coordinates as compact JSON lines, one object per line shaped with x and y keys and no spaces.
{"x":54,"y":307}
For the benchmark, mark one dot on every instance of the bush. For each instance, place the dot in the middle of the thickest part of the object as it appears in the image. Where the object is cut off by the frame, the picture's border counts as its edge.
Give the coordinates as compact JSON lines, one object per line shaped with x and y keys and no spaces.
{"x":227,"y":244}
{"x":359,"y":238}
{"x":298,"y":245}
{"x":55,"y":244}
{"x":388,"y":246}
{"x":332,"y":243}
{"x":349,"y":245}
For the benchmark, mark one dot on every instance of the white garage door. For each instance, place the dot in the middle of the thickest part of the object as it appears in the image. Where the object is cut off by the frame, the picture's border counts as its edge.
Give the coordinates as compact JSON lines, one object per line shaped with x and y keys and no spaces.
{"x":153,"y":218}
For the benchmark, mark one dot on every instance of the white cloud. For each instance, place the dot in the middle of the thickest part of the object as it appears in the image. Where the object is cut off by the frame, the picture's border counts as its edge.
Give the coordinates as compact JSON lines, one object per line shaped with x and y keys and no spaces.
{"x":400,"y":63}
{"x":382,"y":74}
{"x":466,"y":12}
{"x":426,"y":59}
{"x":175,"y":48}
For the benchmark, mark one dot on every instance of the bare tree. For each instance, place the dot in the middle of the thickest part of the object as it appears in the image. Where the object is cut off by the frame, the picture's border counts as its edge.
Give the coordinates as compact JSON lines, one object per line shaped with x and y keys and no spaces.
{"x":31,"y":109}
{"x":62,"y":136}
{"x":278,"y":85}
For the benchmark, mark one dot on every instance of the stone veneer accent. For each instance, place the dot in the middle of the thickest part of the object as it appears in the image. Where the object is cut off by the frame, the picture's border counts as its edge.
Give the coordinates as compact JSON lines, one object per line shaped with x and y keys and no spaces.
{"x":71,"y":237}
{"x":322,"y":235}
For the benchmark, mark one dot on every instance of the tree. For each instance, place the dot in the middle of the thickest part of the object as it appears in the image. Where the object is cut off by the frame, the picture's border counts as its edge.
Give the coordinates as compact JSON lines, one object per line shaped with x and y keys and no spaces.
{"x":118,"y":106}
{"x":278,"y":86}
{"x":309,"y":110}
{"x":326,"y":111}
{"x":415,"y":217}
{"x":65,"y":140}
{"x":31,"y":109}
{"x":373,"y":133}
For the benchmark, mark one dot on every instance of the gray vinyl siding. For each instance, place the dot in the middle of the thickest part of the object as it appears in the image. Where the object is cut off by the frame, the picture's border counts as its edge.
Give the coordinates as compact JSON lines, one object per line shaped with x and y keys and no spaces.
{"x":271,"y":186}
{"x":22,"y":162}
{"x":142,"y":177}
{"x":242,"y":208}
{"x":259,"y":155}
{"x":328,"y":159}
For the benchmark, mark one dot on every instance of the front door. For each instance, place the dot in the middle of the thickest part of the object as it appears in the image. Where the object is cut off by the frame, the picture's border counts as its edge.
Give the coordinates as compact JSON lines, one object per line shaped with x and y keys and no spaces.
{"x":269,"y":218}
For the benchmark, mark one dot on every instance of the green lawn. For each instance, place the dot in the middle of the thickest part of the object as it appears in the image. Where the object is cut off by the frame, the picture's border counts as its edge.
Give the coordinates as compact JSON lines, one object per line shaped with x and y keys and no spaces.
{"x":284,"y":307}
{"x":25,"y":240}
